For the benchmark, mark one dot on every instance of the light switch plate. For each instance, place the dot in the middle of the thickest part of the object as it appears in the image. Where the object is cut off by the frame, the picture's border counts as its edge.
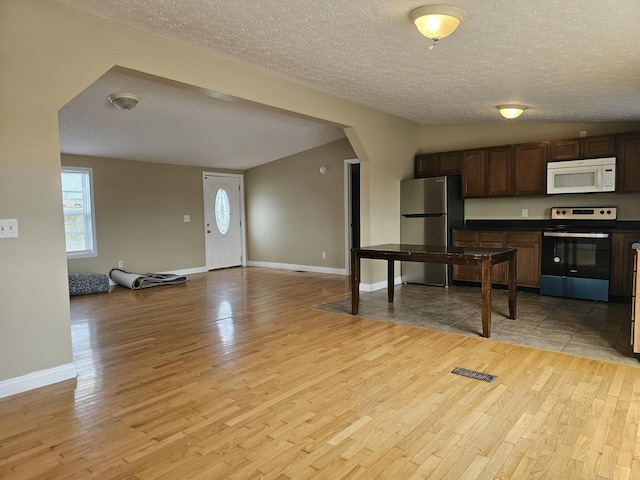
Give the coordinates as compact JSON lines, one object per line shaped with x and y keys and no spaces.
{"x":8,"y":227}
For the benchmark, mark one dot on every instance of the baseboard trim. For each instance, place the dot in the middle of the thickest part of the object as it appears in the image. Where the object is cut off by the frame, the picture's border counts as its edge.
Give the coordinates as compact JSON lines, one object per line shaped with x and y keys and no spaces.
{"x":188,"y":271}
{"x":40,"y":378}
{"x":305,"y":268}
{"x":372,"y":287}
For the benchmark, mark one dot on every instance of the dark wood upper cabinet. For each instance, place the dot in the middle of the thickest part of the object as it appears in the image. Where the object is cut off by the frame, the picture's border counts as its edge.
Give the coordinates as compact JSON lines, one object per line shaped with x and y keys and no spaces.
{"x":521,"y":170}
{"x":597,"y":147}
{"x":628,"y":162}
{"x":499,"y":172}
{"x":425,"y":165}
{"x":450,"y":163}
{"x":437,"y":164}
{"x":564,"y":149}
{"x":585,"y":147}
{"x":530,"y":163}
{"x":474,"y":171}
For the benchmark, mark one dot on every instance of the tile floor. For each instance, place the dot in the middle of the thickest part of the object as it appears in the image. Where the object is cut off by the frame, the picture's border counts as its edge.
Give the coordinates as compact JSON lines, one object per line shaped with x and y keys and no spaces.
{"x":582,"y":327}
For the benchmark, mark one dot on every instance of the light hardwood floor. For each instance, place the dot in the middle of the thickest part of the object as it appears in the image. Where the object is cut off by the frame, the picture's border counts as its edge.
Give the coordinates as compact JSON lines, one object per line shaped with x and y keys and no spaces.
{"x":235,"y":375}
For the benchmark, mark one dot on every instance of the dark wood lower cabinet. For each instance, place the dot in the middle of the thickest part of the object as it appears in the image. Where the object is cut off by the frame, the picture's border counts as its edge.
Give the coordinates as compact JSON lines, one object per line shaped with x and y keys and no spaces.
{"x":621,"y":281}
{"x":527,"y":258}
{"x":495,"y":240}
{"x":468,"y":273}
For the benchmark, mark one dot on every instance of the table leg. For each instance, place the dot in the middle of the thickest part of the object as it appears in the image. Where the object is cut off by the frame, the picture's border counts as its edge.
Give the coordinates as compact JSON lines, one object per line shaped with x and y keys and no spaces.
{"x":486,"y":298}
{"x":355,"y":282}
{"x":390,"y":280}
{"x":512,"y":285}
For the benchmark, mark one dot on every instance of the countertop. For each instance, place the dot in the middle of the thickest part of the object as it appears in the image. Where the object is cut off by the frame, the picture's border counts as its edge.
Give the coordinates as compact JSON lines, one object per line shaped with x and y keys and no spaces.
{"x":621,"y":226}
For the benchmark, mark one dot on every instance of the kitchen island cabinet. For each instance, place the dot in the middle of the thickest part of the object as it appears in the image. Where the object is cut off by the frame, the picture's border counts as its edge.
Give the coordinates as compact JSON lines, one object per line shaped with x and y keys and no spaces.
{"x":527,"y":244}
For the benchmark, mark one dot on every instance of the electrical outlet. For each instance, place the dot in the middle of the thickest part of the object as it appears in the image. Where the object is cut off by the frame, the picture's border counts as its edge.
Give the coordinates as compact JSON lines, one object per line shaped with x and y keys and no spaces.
{"x":8,"y":228}
{"x":324,"y":255}
{"x":525,"y":212}
{"x":120,"y":263}
{"x":187,"y":218}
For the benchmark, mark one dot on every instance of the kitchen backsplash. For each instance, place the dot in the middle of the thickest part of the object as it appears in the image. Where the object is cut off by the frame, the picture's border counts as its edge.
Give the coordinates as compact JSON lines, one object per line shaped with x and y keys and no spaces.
{"x":538,"y":208}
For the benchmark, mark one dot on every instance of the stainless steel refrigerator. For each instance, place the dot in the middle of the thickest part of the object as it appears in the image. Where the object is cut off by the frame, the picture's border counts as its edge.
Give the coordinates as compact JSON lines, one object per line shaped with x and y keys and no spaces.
{"x":429,"y":209}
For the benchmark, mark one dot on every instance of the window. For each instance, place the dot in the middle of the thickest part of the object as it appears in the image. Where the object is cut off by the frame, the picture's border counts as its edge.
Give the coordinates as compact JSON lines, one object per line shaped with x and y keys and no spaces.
{"x":222,"y":211}
{"x":77,"y":204}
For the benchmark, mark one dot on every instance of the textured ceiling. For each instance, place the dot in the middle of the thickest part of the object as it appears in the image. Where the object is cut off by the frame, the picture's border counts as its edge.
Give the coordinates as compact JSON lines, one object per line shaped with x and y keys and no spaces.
{"x":182,"y":126}
{"x":569,"y":60}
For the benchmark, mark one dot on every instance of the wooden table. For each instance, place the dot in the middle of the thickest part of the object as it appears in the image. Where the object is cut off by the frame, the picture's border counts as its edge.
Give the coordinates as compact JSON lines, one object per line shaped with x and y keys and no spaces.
{"x":485,"y":257}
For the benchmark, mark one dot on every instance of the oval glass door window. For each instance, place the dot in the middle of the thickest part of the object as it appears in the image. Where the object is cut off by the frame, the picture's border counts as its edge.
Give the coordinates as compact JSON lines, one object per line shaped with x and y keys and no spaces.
{"x":222,"y":211}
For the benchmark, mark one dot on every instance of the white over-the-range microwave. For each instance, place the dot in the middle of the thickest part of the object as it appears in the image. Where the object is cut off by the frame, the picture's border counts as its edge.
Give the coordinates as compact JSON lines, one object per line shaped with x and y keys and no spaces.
{"x":582,"y":176}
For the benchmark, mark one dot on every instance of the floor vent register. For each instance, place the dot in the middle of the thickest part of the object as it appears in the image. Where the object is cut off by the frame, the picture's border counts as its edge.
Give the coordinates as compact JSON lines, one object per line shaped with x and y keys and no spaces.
{"x":485,"y":377}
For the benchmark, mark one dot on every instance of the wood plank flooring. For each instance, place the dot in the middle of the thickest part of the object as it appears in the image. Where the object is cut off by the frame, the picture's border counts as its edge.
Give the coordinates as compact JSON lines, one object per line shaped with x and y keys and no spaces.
{"x":234,"y":375}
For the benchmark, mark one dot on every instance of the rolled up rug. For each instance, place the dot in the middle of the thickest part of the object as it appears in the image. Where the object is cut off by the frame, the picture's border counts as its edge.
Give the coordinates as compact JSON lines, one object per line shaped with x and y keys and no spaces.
{"x":136,"y":281}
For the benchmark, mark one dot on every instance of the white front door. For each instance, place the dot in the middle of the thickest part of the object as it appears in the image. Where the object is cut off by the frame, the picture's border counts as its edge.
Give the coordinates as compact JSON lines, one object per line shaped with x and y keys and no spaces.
{"x":222,"y":217}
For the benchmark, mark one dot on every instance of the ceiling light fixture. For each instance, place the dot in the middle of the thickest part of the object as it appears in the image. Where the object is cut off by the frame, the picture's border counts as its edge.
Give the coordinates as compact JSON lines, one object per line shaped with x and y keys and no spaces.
{"x":437,"y":21}
{"x":124,"y":101}
{"x":511,"y":111}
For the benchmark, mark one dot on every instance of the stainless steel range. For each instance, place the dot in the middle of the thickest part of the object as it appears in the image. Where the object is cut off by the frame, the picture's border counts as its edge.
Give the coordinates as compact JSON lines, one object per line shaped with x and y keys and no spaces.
{"x":576,"y":252}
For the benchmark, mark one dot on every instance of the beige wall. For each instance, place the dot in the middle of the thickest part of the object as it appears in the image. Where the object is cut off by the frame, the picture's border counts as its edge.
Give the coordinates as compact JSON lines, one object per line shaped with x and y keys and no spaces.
{"x":441,"y":138}
{"x":540,"y":207}
{"x":140,"y":210}
{"x":294,"y":213}
{"x":49,"y":54}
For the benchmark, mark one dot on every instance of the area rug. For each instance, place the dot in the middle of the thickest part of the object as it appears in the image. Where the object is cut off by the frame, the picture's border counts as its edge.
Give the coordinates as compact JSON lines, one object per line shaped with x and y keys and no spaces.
{"x":87,"y":283}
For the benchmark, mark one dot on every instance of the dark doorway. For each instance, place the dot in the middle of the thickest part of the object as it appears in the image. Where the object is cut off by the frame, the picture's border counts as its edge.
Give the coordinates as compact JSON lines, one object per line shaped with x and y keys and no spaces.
{"x":354,"y":174}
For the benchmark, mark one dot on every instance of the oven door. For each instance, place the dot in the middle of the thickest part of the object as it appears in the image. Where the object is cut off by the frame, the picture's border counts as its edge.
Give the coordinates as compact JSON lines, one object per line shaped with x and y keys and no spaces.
{"x":575,"y":265}
{"x":576,"y":254}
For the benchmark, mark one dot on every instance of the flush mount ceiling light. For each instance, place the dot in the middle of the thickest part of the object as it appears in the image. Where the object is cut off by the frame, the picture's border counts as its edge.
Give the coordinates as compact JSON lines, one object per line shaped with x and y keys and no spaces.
{"x":437,"y":21}
{"x":123,"y":101}
{"x":511,"y":111}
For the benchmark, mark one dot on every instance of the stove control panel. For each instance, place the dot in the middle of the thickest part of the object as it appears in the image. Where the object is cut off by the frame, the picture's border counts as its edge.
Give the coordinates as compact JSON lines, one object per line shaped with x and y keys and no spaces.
{"x":584,"y":213}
